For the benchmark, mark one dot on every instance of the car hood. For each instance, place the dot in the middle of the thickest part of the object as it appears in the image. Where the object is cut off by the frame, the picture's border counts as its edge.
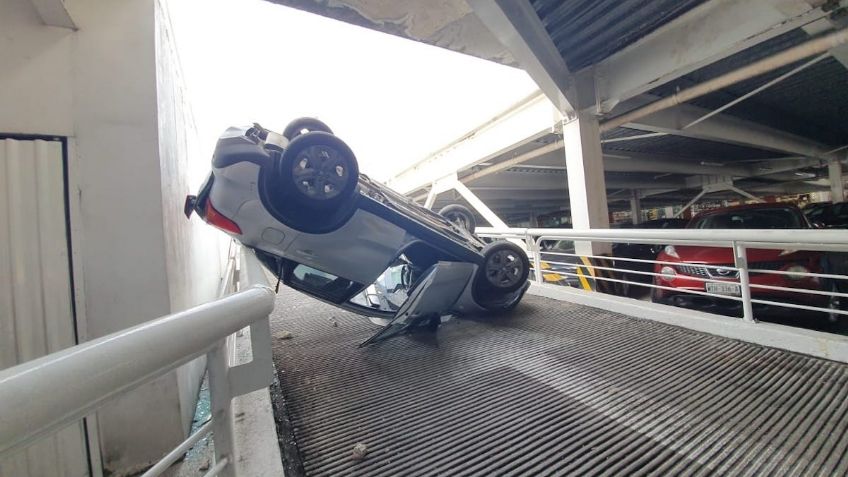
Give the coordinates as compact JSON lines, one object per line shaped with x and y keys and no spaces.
{"x":721,"y":256}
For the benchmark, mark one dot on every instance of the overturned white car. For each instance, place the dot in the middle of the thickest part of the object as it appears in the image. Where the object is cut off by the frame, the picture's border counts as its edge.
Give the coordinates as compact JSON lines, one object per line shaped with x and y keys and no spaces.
{"x":299,"y":201}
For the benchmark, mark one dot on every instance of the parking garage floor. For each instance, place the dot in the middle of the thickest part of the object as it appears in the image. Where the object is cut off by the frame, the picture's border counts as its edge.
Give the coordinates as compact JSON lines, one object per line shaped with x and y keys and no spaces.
{"x":554,"y":388}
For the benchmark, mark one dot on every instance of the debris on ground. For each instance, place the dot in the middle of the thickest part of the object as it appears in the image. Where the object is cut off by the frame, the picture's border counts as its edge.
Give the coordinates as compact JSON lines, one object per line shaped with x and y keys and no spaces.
{"x":283,"y":335}
{"x":334,"y":323}
{"x":359,"y":451}
{"x":205,"y":465}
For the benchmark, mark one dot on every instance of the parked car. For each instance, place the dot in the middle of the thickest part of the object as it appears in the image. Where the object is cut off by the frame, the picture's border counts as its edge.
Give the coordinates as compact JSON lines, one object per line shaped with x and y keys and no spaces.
{"x":814,"y":210}
{"x":298,"y":200}
{"x":560,"y":267}
{"x":686,"y":264}
{"x":830,"y":216}
{"x":641,"y":251}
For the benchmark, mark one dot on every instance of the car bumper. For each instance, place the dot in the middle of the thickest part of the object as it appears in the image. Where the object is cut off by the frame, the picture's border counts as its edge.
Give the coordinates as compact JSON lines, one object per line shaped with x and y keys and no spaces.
{"x":730,"y":307}
{"x":733,"y":307}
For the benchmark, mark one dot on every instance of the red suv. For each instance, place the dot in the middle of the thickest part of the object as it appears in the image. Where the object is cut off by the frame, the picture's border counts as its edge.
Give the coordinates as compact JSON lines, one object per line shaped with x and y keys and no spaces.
{"x":687,"y":264}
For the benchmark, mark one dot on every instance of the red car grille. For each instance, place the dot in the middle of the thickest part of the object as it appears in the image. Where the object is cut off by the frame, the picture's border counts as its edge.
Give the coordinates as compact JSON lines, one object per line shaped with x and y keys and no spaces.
{"x":702,"y":271}
{"x":693,"y":270}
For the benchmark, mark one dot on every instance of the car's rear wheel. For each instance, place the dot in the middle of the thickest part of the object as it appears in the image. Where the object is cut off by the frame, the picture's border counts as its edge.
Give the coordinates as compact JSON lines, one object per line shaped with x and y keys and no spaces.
{"x":319,"y":170}
{"x":505,"y":267}
{"x":302,"y":126}
{"x":460,"y":216}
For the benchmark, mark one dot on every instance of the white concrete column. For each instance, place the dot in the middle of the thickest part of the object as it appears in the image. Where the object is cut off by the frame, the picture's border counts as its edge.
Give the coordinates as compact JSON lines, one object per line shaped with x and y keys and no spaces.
{"x":586,"y":185}
{"x":837,"y":185}
{"x":636,"y":207}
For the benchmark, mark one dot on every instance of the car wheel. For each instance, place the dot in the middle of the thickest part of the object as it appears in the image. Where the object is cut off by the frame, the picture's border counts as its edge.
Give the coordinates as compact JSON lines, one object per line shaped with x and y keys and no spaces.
{"x":320,"y":170}
{"x":460,"y":216}
{"x":302,"y":126}
{"x":655,"y":294}
{"x":505,"y":267}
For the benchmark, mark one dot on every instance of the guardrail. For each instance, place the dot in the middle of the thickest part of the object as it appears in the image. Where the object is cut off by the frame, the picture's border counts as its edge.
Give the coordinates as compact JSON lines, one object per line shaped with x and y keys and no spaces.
{"x":826,"y":286}
{"x":44,"y":395}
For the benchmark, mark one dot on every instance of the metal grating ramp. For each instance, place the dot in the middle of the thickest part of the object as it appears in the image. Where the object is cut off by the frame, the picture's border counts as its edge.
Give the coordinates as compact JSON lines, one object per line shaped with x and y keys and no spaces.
{"x":554,"y":389}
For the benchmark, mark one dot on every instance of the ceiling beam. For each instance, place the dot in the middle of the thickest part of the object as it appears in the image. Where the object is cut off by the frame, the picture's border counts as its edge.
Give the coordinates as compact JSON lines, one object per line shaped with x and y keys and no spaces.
{"x":526,"y":181}
{"x":520,"y":125}
{"x":645,"y":163}
{"x":706,"y":34}
{"x":840,"y":53}
{"x":727,"y":129}
{"x":518,"y":27}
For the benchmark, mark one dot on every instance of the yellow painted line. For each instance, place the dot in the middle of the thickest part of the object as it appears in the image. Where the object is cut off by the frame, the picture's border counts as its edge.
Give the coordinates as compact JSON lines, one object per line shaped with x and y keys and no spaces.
{"x":583,"y":281}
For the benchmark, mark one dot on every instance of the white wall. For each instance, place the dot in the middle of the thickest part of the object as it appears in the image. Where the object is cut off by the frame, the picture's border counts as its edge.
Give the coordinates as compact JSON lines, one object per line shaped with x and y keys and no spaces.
{"x":127,"y":120}
{"x":193,"y":250}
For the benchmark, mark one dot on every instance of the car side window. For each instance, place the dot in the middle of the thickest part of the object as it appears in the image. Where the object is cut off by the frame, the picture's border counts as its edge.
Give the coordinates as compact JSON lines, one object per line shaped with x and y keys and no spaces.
{"x":312,"y":277}
{"x":816,"y":213}
{"x":389,"y":291}
{"x":323,"y":284}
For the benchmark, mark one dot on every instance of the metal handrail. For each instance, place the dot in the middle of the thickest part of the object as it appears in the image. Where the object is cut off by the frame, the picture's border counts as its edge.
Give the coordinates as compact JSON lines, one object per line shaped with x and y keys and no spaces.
{"x":827,"y":240}
{"x":44,"y":395}
{"x":738,"y":240}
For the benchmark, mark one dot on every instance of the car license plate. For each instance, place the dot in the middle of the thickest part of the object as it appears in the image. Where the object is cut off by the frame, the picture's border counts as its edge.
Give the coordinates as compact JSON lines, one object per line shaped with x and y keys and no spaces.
{"x":724,"y":288}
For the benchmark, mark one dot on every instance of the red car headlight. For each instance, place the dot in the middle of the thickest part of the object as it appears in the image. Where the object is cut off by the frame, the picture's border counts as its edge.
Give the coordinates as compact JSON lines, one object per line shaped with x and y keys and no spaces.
{"x":667,"y":273}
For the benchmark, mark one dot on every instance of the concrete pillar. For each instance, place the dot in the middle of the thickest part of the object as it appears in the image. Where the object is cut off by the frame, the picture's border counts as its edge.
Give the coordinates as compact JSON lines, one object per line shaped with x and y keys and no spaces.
{"x":636,"y":207}
{"x":837,"y":186}
{"x":586,"y":185}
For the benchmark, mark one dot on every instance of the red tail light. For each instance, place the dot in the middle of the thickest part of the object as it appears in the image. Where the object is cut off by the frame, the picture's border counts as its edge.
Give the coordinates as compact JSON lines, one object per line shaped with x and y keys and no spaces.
{"x":218,"y":220}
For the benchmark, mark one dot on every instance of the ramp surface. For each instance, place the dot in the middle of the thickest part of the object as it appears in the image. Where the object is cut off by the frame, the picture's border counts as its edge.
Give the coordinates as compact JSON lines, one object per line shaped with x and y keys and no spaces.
{"x":554,"y":388}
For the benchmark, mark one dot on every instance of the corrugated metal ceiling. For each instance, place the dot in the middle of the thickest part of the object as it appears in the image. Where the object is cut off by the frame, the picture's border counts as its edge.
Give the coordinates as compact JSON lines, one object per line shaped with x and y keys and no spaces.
{"x":684,"y":147}
{"x":587,"y":31}
{"x":812,"y":103}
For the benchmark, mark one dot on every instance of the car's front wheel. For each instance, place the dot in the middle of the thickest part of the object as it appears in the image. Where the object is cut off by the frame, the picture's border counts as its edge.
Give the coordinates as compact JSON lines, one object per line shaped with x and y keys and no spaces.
{"x":505,"y":267}
{"x":319,"y":171}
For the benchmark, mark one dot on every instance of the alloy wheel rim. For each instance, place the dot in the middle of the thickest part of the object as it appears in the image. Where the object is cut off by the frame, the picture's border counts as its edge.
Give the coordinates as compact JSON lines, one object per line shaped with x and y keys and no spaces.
{"x":458,"y":220}
{"x":320,"y":172}
{"x":503,"y":268}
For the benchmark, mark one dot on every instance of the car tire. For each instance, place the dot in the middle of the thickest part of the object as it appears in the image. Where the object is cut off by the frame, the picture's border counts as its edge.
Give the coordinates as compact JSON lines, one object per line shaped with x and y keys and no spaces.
{"x":655,"y":294}
{"x":505,"y":268}
{"x":460,"y":216}
{"x":301,"y":126}
{"x":318,"y":171}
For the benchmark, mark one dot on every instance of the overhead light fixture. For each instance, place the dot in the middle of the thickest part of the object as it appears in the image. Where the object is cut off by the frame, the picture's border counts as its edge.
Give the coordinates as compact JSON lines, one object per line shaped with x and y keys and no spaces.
{"x":712,"y":164}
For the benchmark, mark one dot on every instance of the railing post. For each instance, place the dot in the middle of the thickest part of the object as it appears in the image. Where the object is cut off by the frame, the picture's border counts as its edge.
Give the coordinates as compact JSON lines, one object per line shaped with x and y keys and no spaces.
{"x":740,"y":259}
{"x":537,"y":259}
{"x":222,"y":413}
